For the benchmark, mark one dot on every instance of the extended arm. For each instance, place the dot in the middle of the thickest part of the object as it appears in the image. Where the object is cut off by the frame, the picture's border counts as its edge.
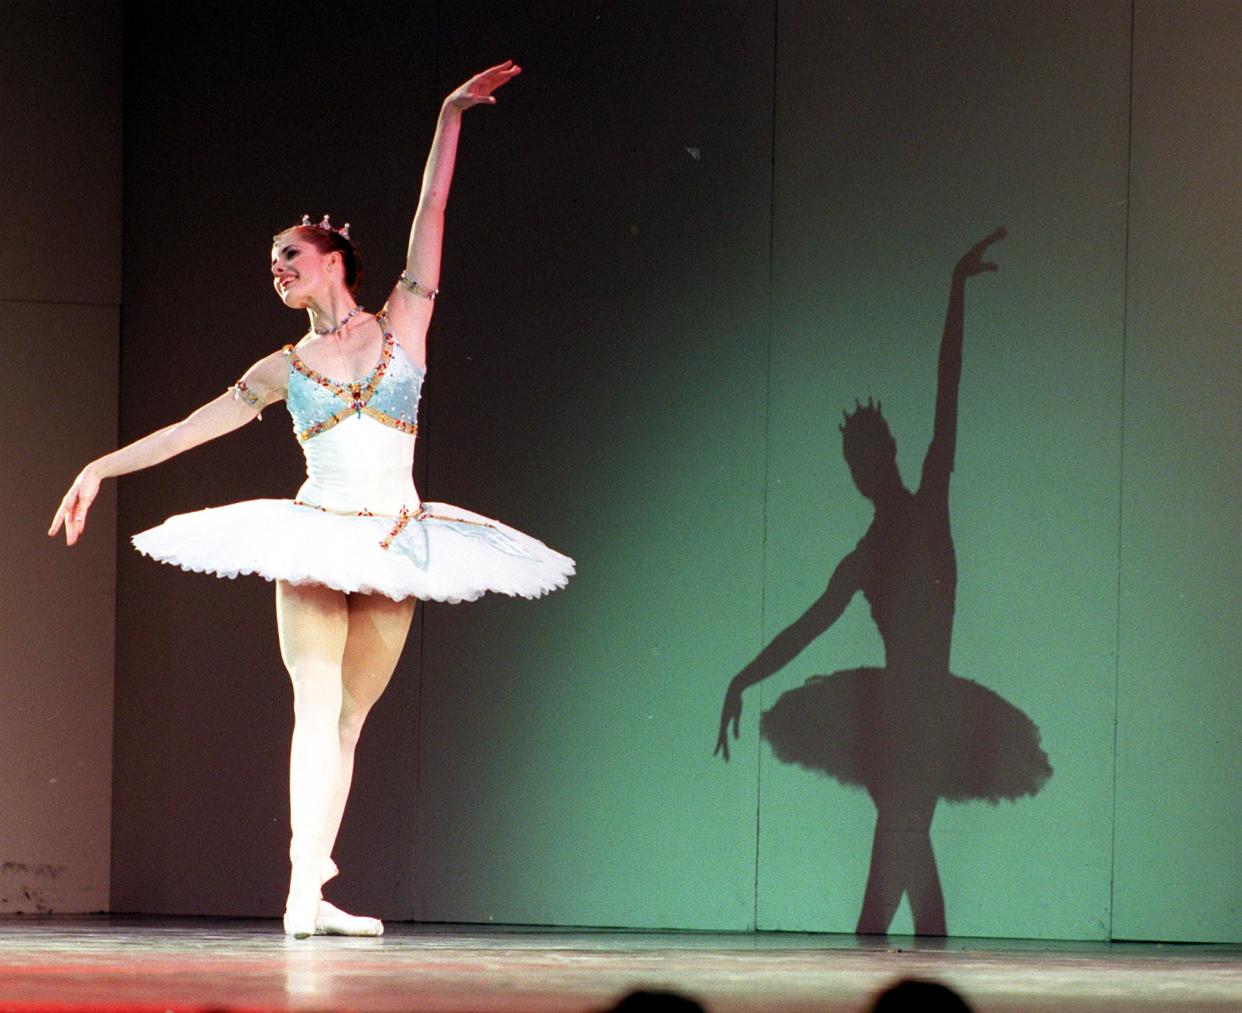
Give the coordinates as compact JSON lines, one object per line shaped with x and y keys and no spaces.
{"x":940,"y":454}
{"x":411,"y":302}
{"x":789,"y":643}
{"x":264,"y":384}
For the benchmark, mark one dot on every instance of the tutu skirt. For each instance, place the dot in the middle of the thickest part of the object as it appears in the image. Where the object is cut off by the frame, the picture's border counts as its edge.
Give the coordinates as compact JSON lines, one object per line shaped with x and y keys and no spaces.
{"x":439,"y":552}
{"x":937,"y":736}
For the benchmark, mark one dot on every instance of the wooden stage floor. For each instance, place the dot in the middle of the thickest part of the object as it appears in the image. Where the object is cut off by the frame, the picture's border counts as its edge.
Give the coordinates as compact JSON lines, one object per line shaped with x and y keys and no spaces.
{"x":129,"y":964}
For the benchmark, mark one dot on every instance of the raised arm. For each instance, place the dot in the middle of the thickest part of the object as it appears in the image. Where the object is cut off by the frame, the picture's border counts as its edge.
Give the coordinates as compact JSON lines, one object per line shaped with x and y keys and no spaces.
{"x":789,"y":643}
{"x":939,"y":461}
{"x":261,"y":385}
{"x":413,"y":298}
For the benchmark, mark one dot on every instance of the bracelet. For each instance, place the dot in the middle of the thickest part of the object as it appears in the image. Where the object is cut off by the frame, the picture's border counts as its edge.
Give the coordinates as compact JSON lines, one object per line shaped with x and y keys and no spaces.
{"x":243,"y":393}
{"x":408,"y":281}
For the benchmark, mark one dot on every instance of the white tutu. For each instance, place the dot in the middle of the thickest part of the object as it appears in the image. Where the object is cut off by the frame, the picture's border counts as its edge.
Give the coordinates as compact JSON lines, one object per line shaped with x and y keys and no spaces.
{"x":441,"y":552}
{"x":356,"y":524}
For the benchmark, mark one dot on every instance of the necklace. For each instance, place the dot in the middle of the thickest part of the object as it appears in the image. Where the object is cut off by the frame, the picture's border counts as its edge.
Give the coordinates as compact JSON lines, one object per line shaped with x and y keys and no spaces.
{"x":344,"y":320}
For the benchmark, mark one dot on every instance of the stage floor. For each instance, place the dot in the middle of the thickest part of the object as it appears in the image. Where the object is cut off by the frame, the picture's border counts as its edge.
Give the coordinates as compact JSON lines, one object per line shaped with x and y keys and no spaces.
{"x":114,"y":964}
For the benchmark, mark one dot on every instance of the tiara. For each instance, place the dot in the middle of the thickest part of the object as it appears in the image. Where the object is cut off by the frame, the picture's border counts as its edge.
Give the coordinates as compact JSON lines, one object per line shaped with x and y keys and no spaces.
{"x":862,"y":413}
{"x":326,"y":225}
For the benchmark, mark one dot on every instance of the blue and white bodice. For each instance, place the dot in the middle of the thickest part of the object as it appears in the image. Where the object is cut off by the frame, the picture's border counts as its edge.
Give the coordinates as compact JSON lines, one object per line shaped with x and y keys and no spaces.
{"x":358,"y":437}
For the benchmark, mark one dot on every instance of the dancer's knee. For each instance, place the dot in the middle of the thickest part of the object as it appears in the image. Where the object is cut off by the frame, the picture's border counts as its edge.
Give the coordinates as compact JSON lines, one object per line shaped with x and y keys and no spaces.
{"x":350,"y":724}
{"x":316,"y":687}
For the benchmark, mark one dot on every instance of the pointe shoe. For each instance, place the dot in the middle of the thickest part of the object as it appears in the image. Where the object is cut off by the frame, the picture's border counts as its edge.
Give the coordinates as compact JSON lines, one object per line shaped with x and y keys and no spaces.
{"x":301,"y":918}
{"x":302,"y":906}
{"x":332,"y":921}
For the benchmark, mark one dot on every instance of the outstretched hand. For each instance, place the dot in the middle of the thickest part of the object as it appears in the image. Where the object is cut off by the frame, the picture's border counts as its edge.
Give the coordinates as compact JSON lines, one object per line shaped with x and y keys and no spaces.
{"x":972,"y":262}
{"x":478,"y":90}
{"x":74,"y":507}
{"x":730,"y":712}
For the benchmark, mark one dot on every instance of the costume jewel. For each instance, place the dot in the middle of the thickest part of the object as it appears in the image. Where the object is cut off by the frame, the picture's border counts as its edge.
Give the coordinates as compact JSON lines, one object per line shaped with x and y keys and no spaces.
{"x":404,"y":517}
{"x":408,"y":281}
{"x":344,"y":320}
{"x":326,"y":225}
{"x":243,"y":393}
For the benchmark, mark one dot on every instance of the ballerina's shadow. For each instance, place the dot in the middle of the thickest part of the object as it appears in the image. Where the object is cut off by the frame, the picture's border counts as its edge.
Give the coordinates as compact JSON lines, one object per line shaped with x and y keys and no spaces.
{"x":910,"y":733}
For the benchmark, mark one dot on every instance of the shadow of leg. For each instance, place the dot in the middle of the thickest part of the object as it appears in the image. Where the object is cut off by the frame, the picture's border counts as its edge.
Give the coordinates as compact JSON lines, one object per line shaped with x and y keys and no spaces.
{"x":902,"y":861}
{"x":885,"y":884}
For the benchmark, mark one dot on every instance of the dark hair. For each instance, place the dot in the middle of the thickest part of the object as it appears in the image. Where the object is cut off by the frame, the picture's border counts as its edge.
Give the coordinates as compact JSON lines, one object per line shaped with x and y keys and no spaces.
{"x":914,"y":994}
{"x":331,"y":241}
{"x":644,"y":1001}
{"x":865,"y":432}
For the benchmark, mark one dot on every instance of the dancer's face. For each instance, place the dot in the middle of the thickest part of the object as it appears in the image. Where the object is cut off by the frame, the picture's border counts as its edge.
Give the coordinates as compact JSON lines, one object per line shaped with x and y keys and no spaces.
{"x":298,"y":269}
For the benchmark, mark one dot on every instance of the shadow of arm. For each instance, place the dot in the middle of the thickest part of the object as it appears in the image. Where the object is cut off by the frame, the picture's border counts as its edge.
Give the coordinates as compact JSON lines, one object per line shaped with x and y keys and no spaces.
{"x":938,"y":464}
{"x":790,"y":642}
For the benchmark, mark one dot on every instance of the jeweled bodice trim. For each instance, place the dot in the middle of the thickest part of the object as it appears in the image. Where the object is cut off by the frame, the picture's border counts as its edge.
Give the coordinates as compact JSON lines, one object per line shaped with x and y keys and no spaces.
{"x":357,"y":395}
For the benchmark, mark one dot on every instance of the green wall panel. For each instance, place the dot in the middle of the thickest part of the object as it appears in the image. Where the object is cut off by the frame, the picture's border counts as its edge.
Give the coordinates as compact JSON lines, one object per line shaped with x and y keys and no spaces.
{"x":566,"y":745}
{"x":1179,"y":757}
{"x":904,"y":134}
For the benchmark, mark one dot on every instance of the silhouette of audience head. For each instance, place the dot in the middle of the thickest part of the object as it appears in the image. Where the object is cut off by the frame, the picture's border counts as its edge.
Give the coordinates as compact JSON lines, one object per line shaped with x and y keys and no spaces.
{"x":870,"y":450}
{"x":912,"y":994}
{"x":643,"y":1001}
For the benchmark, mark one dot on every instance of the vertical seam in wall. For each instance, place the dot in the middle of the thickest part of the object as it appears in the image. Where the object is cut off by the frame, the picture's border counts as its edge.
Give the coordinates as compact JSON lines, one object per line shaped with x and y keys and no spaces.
{"x":414,"y":851}
{"x":422,"y":611}
{"x":1121,"y":475}
{"x":418,"y":764}
{"x":118,"y":549}
{"x":767,"y":427}
{"x":118,"y":542}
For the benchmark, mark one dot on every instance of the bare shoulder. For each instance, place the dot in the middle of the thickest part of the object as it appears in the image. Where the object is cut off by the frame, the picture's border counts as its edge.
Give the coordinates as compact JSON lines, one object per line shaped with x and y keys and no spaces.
{"x":409,"y":317}
{"x":269,"y":377}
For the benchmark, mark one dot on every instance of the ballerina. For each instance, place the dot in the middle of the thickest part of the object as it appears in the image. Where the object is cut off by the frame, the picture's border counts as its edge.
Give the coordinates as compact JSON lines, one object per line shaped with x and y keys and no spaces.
{"x":356,"y":547}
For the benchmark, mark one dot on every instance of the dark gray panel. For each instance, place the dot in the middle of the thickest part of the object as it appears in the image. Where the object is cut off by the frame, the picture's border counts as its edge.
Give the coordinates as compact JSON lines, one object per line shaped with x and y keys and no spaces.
{"x":60,"y":151}
{"x":57,"y":610}
{"x":238,"y":120}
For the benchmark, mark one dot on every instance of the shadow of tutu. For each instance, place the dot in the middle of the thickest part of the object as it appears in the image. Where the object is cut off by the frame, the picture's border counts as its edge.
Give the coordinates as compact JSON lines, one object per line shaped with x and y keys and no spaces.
{"x":936,"y":735}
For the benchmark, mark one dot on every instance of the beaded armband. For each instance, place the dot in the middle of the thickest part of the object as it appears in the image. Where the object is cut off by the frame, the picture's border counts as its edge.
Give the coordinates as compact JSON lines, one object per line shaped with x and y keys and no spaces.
{"x":407,"y":280}
{"x":243,"y":393}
